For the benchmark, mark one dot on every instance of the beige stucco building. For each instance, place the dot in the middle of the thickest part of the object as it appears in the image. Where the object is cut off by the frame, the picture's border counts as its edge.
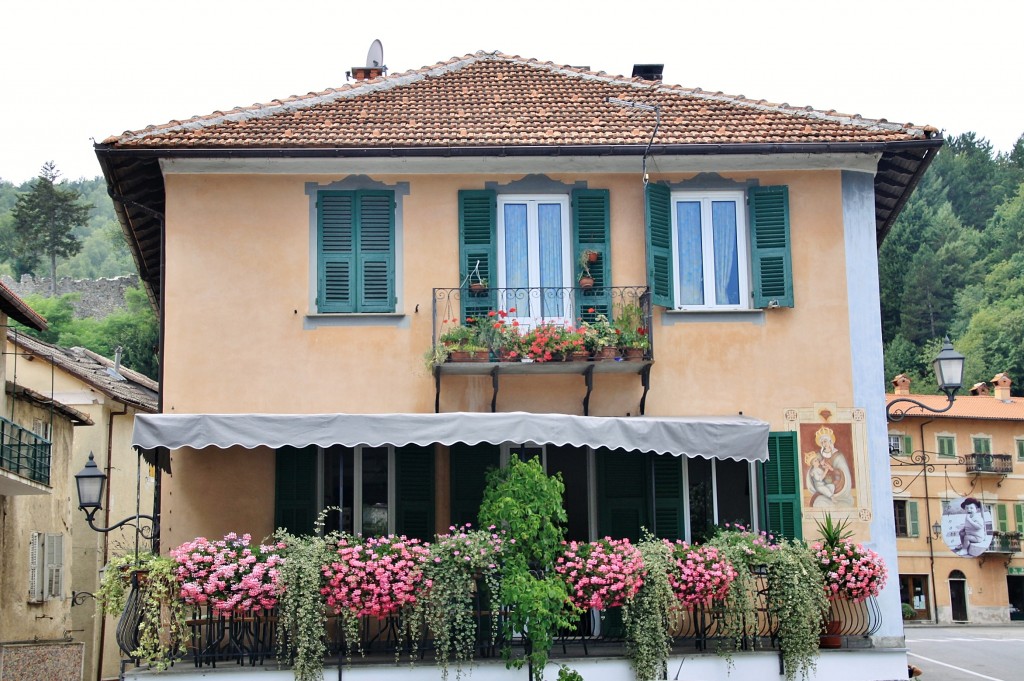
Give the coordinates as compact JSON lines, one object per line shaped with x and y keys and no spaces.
{"x":110,"y":394}
{"x":305,"y":254}
{"x":941,"y":463}
{"x":36,"y":435}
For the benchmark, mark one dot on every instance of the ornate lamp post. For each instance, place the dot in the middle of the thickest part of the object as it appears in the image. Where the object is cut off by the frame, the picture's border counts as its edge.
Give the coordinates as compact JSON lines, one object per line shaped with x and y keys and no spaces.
{"x":90,"y":482}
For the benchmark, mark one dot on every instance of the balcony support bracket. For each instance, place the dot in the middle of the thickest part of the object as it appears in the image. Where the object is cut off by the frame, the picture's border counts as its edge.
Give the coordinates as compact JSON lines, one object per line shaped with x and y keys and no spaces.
{"x":645,"y":381}
{"x":588,"y":380}
{"x":494,"y":385}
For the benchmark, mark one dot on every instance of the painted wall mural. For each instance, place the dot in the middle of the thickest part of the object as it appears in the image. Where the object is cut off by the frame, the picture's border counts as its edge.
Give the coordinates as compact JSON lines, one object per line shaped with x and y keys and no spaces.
{"x":827,"y":459}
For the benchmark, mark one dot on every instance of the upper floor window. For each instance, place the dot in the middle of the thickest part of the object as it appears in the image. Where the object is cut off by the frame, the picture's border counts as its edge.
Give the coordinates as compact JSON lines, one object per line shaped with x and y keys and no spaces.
{"x":719,"y":250}
{"x":946,"y":445}
{"x":982,"y":444}
{"x":896,"y":444}
{"x":534,"y":251}
{"x":1020,"y":449}
{"x":356,"y":251}
{"x":905,"y":513}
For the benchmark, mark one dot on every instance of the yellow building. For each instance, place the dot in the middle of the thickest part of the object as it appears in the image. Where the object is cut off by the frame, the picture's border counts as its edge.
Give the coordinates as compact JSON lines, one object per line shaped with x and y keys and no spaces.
{"x":943,"y":465}
{"x":306,"y":253}
{"x":36,"y":434}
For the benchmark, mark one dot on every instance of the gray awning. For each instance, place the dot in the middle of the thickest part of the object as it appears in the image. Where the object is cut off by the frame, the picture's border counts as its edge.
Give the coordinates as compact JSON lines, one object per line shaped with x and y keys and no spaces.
{"x":709,"y":437}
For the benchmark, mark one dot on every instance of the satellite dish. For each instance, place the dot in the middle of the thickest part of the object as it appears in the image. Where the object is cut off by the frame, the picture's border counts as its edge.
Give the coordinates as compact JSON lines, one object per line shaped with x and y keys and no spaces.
{"x":375,"y":57}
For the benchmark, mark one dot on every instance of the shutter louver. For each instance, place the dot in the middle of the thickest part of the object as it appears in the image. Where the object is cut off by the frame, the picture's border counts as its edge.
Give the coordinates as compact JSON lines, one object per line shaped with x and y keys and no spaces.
{"x":478,"y":223}
{"x":913,"y":525}
{"x":668,"y":496}
{"x":35,"y":591}
{"x":376,"y":254}
{"x":591,"y":231}
{"x":782,"y":486}
{"x":1002,"y":521}
{"x":1018,"y":512}
{"x":769,"y":247}
{"x":469,"y":466}
{"x":623,"y":494}
{"x":658,"y":218}
{"x":54,"y":567}
{"x":336,"y":217}
{"x":414,"y":483}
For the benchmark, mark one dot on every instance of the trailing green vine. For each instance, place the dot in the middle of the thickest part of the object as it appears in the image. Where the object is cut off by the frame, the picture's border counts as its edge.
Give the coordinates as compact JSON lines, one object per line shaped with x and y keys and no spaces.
{"x":302,"y":615}
{"x":796,"y":596}
{"x":648,"y":615}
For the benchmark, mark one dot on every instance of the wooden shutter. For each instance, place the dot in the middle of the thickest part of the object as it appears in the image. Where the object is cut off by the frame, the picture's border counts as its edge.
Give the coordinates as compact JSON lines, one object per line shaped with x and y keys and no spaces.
{"x":908,"y":446}
{"x":658,"y":220}
{"x":478,"y":224}
{"x":1018,"y":512}
{"x":376,"y":252}
{"x":668,"y":496}
{"x":53,"y":568}
{"x":1002,"y":521}
{"x":295,"y":491}
{"x":622,"y":493}
{"x":469,"y":467}
{"x":769,"y":247}
{"x":35,"y":583}
{"x":414,"y":487}
{"x":336,"y":220}
{"x":913,"y":526}
{"x":591,"y":231}
{"x":781,"y":475}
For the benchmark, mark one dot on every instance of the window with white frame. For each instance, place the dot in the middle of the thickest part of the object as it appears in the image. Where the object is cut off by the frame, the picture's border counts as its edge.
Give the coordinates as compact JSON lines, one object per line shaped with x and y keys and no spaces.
{"x":710,"y":250}
{"x":535,"y":252}
{"x":896,"y":444}
{"x":45,"y":566}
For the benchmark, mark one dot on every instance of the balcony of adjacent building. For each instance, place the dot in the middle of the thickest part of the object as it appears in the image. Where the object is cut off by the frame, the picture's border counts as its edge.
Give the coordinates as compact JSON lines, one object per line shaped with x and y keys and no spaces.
{"x":24,"y":460}
{"x":1004,"y":543}
{"x":540,"y":331}
{"x":985,"y":464}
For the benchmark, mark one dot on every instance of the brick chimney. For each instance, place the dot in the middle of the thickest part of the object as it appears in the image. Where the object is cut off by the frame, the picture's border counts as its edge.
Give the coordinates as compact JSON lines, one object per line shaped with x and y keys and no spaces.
{"x":365,"y":72}
{"x":901,"y":384}
{"x":1002,"y":383}
{"x":980,"y":389}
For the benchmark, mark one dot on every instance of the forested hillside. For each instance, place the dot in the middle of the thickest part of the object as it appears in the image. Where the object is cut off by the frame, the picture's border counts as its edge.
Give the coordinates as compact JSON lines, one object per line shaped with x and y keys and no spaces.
{"x":954,"y":264}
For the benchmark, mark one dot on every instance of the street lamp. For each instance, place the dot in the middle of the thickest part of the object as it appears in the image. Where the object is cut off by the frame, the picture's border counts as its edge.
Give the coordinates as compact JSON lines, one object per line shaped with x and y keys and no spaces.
{"x":90,"y":482}
{"x":937,"y":530}
{"x":949,"y":373}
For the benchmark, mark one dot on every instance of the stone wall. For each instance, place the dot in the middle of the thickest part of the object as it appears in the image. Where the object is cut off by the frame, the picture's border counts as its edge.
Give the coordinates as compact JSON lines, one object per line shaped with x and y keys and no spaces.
{"x":98,"y":298}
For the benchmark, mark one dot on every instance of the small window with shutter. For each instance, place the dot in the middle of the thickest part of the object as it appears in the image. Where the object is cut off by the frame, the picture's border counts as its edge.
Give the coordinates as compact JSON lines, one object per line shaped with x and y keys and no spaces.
{"x":45,"y":567}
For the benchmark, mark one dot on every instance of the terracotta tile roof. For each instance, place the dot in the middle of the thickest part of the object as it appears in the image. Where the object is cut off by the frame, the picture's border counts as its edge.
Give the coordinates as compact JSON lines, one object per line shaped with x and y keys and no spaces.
{"x":16,"y":308}
{"x":966,"y":407}
{"x":136,"y":390}
{"x":77,"y":418}
{"x":493,"y":99}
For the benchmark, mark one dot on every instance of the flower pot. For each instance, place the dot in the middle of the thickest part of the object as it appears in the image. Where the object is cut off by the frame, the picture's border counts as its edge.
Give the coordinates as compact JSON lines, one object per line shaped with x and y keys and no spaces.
{"x":578,"y":356}
{"x":586,"y":282}
{"x":606,"y":353}
{"x":830,"y":637}
{"x":468,"y":356}
{"x":478,"y":289}
{"x":592,"y":256}
{"x":633,"y":354}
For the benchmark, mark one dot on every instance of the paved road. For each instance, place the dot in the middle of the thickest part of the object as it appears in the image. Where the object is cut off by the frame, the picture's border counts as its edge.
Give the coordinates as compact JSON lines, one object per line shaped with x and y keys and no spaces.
{"x":967,"y":653}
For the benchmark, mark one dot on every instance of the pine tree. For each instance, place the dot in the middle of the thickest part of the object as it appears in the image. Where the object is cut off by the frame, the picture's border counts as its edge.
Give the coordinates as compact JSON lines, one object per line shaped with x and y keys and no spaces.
{"x":45,"y":219}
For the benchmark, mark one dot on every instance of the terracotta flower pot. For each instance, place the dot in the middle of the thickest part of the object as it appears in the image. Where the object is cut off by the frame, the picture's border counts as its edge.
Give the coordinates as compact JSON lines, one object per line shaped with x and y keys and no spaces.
{"x":606,"y":353}
{"x":586,"y":282}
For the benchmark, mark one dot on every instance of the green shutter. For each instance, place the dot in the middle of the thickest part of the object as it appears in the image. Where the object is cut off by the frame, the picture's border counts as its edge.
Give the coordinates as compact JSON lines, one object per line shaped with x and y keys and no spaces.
{"x":668,"y":496}
{"x":376,"y":212}
{"x":908,"y":446}
{"x":1002,"y":522}
{"x":769,"y":247}
{"x":478,"y":215}
{"x":1020,"y":450}
{"x":414,"y":491}
{"x":1018,"y":512}
{"x":336,"y":220}
{"x":469,"y":466}
{"x":947,"y":446}
{"x":591,"y":231}
{"x":295,"y":489}
{"x":781,"y":475}
{"x":622,"y":493}
{"x":913,"y":526}
{"x":658,"y":220}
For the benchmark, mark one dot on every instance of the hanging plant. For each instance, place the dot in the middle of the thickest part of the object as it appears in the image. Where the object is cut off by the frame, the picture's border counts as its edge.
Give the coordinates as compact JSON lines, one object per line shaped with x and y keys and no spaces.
{"x":649,"y":614}
{"x":302,"y":616}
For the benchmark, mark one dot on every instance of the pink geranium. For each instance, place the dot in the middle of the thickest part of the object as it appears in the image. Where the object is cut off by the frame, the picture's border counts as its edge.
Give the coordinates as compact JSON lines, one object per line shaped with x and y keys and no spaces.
{"x":375,"y":576}
{"x":601,"y":574}
{"x":229,"y":574}
{"x":699,"y":575}
{"x":850,"y":570}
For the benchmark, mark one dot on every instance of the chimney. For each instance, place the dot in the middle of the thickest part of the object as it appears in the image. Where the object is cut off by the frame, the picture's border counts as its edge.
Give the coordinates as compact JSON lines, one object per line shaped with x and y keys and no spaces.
{"x":980,"y":389}
{"x":365,"y":72}
{"x":901,"y":384}
{"x":1002,"y":383}
{"x":648,"y":71}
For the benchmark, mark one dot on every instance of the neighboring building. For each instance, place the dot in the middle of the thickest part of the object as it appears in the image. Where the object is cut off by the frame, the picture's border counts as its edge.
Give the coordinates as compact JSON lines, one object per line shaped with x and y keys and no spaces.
{"x":36,"y":434}
{"x":305,"y":253}
{"x":940,"y":464}
{"x":110,"y":394}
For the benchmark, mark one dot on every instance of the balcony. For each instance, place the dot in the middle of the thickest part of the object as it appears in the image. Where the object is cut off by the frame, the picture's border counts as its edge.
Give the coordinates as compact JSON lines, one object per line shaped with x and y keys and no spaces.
{"x":24,"y":460}
{"x":527,"y":309}
{"x":1004,"y":543}
{"x":991,"y":464}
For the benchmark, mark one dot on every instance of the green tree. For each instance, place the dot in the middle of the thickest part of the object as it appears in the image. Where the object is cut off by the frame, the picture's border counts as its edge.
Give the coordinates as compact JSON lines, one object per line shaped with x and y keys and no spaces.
{"x":45,"y":219}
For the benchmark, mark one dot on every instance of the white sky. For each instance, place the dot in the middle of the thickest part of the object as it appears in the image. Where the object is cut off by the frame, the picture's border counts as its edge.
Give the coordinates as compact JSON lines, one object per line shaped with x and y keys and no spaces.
{"x":71,"y":70}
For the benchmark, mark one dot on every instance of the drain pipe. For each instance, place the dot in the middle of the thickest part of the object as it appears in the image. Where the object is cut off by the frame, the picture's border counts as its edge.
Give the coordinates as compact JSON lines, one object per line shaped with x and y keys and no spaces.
{"x":106,"y":523}
{"x":928,"y":529}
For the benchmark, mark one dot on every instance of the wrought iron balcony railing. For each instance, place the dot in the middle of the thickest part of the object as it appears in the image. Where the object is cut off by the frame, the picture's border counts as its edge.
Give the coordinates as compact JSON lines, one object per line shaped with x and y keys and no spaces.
{"x":998,"y":464}
{"x":24,"y":453}
{"x":1004,"y":542}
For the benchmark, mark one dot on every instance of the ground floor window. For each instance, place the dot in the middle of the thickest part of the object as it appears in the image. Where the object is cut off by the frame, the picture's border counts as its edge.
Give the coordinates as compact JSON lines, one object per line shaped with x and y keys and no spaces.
{"x":619,"y":493}
{"x":914,"y":592}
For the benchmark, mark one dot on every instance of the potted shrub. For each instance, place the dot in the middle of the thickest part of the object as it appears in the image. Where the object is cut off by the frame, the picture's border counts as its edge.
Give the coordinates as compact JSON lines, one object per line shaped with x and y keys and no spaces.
{"x":632,"y":330}
{"x":600,"y":336}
